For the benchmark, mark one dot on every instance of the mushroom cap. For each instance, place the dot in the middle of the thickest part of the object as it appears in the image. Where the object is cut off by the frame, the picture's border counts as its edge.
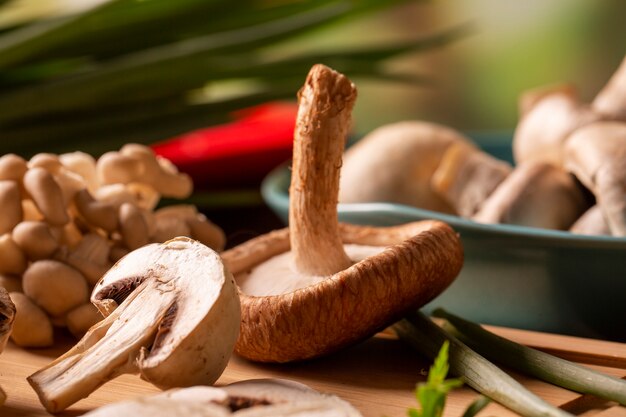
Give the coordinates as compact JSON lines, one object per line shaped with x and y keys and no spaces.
{"x":395,"y":163}
{"x":194,"y":342}
{"x":420,"y":260}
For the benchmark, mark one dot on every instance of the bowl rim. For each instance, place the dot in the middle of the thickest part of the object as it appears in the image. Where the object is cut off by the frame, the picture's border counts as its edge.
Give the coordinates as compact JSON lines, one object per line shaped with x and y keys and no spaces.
{"x":277,"y":197}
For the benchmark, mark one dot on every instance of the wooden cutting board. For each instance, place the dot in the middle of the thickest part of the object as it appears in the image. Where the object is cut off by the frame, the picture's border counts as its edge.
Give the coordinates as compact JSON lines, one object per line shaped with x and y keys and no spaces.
{"x":377,"y":376}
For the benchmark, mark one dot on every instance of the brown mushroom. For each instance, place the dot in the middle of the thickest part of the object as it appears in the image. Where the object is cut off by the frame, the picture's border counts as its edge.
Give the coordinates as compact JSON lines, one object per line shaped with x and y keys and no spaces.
{"x":10,"y":204}
{"x":173,"y":317}
{"x":7,"y":315}
{"x":611,"y":100}
{"x":338,"y":284}
{"x":12,"y":167}
{"x":467,"y":176}
{"x":596,"y":154}
{"x":47,"y":195}
{"x":536,"y":194}
{"x":12,"y":258}
{"x":395,"y":163}
{"x":36,"y":239}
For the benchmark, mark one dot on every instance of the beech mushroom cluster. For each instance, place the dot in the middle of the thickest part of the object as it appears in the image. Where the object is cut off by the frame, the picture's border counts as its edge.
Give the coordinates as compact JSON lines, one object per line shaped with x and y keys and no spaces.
{"x":566,"y":153}
{"x":172,"y":316}
{"x":67,"y":218}
{"x":319,"y":286}
{"x":250,"y":398}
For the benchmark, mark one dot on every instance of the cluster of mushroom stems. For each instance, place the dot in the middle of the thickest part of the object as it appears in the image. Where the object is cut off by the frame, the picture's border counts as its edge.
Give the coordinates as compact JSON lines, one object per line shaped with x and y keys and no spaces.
{"x":68,"y":218}
{"x":570,"y":171}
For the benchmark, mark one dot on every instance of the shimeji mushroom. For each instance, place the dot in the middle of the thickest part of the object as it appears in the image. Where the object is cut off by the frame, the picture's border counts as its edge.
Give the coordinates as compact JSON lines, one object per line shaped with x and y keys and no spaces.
{"x":338,"y":284}
{"x":251,"y":398}
{"x":592,"y":222}
{"x":395,"y":163}
{"x":173,"y":317}
{"x":611,"y":100}
{"x":596,"y":154}
{"x":7,"y":315}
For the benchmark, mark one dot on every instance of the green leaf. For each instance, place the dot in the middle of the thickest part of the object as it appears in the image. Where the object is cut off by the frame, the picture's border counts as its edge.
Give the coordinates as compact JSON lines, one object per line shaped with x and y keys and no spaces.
{"x":475,"y":407}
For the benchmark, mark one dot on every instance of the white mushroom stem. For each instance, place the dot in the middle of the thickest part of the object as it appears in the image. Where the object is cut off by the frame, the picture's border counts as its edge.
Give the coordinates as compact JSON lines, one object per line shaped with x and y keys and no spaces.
{"x":322,"y":124}
{"x":467,"y":176}
{"x":176,"y":324}
{"x":611,"y":100}
{"x":596,"y":154}
{"x":536,"y":194}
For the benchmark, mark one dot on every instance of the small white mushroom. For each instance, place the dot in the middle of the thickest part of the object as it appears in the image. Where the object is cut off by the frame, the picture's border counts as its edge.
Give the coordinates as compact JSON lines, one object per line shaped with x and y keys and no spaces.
{"x":115,"y":168}
{"x":32,"y":327}
{"x":145,"y":195}
{"x":48,"y":161}
{"x":35,"y":239}
{"x":80,"y":319}
{"x":115,"y":194}
{"x":12,"y":258}
{"x":536,"y":194}
{"x":55,"y":286}
{"x":30,"y":210}
{"x":82,"y":164}
{"x":133,"y":226}
{"x":12,"y":167}
{"x":96,"y":213}
{"x":91,"y":257}
{"x":10,"y":205}
{"x":47,"y":195}
{"x":176,"y":325}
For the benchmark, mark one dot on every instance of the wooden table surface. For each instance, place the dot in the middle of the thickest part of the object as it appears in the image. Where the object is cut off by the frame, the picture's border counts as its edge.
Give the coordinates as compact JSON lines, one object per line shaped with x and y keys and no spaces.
{"x":378,"y":377}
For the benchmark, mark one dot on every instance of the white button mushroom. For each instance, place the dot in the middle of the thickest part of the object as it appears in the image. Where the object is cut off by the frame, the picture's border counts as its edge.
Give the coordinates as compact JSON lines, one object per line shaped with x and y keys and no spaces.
{"x":176,"y":325}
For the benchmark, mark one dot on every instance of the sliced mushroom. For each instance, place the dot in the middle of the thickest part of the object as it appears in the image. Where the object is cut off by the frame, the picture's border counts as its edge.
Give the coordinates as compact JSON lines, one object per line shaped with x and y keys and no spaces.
{"x":544,"y":128}
{"x":611,"y":100}
{"x":7,"y":315}
{"x":596,"y":154}
{"x":592,"y":222}
{"x":536,"y":194}
{"x":251,"y":398}
{"x":467,"y":176}
{"x":326,"y":293}
{"x":176,"y":324}
{"x":395,"y":163}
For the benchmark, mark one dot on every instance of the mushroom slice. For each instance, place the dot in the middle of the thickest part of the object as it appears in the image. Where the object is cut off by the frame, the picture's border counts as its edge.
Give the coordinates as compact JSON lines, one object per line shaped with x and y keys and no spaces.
{"x":553,"y":115}
{"x":536,"y":194}
{"x":395,"y":163}
{"x":596,"y":154}
{"x":251,"y":398}
{"x":176,"y":324}
{"x":467,"y":176}
{"x":611,"y":100}
{"x":7,"y":315}
{"x":308,"y":291}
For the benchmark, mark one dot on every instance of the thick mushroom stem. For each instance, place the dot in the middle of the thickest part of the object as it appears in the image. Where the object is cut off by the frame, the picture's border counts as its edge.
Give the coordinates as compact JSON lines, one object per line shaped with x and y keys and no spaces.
{"x":326,"y":102}
{"x":110,"y":348}
{"x":611,"y":100}
{"x":596,"y":154}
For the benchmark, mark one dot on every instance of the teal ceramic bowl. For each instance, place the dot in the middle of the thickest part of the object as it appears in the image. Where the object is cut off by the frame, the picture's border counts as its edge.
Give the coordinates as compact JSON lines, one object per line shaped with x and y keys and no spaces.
{"x":513,"y":276}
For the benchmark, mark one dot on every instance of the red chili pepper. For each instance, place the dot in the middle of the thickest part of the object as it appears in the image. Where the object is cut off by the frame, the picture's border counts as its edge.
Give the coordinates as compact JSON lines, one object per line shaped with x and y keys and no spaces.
{"x":237,"y":154}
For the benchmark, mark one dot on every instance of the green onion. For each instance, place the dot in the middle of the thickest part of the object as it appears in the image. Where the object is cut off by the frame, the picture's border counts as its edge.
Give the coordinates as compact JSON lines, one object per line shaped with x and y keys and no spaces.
{"x":539,"y":364}
{"x":426,"y":337}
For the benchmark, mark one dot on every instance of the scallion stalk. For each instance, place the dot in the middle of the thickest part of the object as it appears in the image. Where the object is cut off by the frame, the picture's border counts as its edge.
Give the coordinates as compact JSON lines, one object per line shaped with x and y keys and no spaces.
{"x":536,"y":363}
{"x":477,"y":372}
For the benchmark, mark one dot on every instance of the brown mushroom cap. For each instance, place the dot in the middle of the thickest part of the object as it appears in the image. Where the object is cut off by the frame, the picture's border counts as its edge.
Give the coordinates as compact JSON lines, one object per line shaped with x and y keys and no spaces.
{"x":7,"y":315}
{"x":329,"y":301}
